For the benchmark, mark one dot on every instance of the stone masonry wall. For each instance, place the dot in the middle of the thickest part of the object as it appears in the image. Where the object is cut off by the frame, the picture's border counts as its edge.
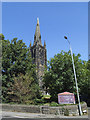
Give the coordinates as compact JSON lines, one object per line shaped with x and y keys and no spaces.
{"x":73,"y":109}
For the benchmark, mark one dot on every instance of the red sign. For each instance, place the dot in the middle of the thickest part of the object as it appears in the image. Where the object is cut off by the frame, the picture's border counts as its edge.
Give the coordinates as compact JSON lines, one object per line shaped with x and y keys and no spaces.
{"x":66,"y":98}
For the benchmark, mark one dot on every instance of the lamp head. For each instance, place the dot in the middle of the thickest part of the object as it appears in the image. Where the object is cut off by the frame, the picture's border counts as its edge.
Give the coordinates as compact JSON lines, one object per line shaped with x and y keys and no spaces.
{"x":65,"y":37}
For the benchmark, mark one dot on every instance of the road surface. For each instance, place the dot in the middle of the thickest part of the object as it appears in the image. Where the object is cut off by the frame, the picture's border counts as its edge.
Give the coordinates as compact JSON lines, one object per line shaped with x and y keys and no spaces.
{"x":45,"y":119}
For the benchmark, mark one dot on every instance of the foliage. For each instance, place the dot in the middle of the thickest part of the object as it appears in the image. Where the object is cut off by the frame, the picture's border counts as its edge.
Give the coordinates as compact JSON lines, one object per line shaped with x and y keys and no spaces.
{"x":46,"y":96}
{"x":84,"y":83}
{"x":16,"y":61}
{"x":60,"y":77}
{"x":43,"y":100}
{"x":24,"y":89}
{"x":87,"y":83}
{"x":54,"y":104}
{"x":1,"y":36}
{"x":39,"y":101}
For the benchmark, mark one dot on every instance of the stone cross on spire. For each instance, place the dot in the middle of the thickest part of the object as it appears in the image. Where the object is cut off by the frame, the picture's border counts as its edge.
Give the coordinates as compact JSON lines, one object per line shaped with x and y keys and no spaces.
{"x":37,"y":36}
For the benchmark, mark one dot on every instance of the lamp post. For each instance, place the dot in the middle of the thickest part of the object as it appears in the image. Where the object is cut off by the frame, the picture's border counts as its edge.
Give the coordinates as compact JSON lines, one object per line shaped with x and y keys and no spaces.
{"x":75,"y":76}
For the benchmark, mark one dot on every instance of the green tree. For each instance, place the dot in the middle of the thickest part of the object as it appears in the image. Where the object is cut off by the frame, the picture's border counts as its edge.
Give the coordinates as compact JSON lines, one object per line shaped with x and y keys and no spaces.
{"x":1,"y":37}
{"x":88,"y":90}
{"x":5,"y":66}
{"x":16,"y":59}
{"x":85,"y":84}
{"x":60,"y":77}
{"x":24,"y":90}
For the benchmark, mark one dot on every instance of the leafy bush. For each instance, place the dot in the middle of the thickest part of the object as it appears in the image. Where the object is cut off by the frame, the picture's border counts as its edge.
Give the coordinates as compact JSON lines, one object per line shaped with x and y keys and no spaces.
{"x":54,"y":104}
{"x":39,"y":101}
{"x":46,"y":97}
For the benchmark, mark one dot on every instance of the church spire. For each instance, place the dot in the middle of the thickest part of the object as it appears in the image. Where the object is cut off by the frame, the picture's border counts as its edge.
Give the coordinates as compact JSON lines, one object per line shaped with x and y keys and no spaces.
{"x":37,"y":36}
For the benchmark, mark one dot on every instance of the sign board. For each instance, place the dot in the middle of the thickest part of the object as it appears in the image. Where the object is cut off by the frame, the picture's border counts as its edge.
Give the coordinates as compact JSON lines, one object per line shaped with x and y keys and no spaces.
{"x":66,"y":98}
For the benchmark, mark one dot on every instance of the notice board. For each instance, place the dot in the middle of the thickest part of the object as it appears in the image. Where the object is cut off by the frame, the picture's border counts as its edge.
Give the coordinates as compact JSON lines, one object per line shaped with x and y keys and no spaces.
{"x":66,"y":98}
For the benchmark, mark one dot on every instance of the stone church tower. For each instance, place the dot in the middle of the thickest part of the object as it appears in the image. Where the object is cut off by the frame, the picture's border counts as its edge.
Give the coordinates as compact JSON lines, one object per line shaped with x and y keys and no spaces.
{"x":38,"y":52}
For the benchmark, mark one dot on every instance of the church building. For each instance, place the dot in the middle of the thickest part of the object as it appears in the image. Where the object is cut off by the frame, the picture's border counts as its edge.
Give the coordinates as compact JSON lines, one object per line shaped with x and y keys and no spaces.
{"x":39,"y":54}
